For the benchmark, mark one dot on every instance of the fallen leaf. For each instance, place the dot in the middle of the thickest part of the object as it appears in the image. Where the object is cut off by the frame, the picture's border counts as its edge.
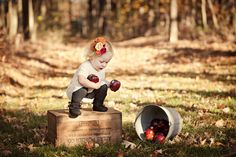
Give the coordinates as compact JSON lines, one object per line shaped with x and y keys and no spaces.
{"x":193,"y":107}
{"x":21,"y":145}
{"x":120,"y":153}
{"x":132,"y":105}
{"x":221,"y":106}
{"x":63,"y":153}
{"x":89,"y":145}
{"x":186,"y":134}
{"x":202,"y":142}
{"x":96,"y":145}
{"x":128,"y":144}
{"x":220,"y":123}
{"x":42,"y":142}
{"x":31,"y":147}
{"x":226,"y":110}
{"x":219,"y":144}
{"x":212,"y":141}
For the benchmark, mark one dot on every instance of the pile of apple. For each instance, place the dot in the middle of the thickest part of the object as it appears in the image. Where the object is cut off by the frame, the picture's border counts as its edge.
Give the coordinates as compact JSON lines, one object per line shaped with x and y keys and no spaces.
{"x":157,"y":131}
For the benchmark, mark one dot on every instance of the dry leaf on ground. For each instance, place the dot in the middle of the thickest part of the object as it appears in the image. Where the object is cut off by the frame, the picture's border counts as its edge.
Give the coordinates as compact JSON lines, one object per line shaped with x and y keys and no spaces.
{"x":129,"y":144}
{"x":120,"y":153}
{"x":220,"y":123}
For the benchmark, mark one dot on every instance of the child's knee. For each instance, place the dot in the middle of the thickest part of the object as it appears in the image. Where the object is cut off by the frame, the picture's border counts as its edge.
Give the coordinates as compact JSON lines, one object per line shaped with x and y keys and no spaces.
{"x":104,"y":87}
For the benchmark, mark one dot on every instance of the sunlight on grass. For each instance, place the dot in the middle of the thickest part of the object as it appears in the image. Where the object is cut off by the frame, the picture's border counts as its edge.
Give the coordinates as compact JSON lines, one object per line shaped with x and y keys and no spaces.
{"x":202,"y":92}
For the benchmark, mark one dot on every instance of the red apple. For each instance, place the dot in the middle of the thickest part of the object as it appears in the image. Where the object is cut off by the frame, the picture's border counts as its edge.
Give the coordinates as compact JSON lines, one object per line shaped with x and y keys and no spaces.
{"x":149,"y":133}
{"x":93,"y":78}
{"x":155,"y":124}
{"x":115,"y":85}
{"x":165,"y":131}
{"x":159,"y":137}
{"x":160,"y":125}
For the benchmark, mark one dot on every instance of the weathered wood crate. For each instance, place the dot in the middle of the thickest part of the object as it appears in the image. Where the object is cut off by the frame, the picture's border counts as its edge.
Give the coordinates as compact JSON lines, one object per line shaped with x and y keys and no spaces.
{"x":98,"y":127}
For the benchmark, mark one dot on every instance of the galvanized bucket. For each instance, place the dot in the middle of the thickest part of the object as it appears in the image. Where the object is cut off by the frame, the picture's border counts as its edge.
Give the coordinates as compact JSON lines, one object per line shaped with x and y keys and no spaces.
{"x":150,"y":112}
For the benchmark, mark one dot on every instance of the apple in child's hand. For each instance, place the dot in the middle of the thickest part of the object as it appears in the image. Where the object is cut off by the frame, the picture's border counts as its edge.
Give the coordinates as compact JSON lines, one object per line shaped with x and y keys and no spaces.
{"x":115,"y":85}
{"x":159,"y":137}
{"x":93,"y":78}
{"x":149,"y":133}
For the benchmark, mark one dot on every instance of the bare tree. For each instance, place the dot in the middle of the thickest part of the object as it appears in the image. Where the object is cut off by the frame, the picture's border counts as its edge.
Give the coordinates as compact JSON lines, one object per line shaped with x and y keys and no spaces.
{"x":29,"y":26}
{"x":234,"y":16}
{"x":32,"y":26}
{"x":215,"y":21}
{"x":2,"y":15}
{"x":173,"y":37}
{"x":12,"y":19}
{"x":204,"y":15}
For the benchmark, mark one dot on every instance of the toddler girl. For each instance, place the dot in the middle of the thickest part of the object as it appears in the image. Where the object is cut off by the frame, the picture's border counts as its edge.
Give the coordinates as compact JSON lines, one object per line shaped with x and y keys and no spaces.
{"x":98,"y":56}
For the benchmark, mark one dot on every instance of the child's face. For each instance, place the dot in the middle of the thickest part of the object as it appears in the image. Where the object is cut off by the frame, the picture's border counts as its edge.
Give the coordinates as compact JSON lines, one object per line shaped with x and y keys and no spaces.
{"x":100,"y":62}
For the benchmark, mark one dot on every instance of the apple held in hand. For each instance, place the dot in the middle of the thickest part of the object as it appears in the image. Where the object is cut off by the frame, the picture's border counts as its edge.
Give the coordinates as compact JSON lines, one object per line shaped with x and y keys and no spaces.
{"x":149,"y":133}
{"x":93,"y":78}
{"x":115,"y":85}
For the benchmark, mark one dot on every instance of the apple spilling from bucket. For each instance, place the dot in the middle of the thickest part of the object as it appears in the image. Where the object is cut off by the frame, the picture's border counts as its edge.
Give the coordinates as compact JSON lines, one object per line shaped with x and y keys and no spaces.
{"x":93,"y":78}
{"x":157,"y":130}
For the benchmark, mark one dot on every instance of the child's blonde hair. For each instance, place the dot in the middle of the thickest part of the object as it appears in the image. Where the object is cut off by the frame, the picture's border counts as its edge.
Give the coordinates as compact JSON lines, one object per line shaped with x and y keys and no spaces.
{"x":95,"y":49}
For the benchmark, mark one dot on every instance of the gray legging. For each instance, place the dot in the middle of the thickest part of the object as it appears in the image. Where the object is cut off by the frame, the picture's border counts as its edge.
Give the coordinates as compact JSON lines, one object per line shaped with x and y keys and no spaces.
{"x":99,"y":95}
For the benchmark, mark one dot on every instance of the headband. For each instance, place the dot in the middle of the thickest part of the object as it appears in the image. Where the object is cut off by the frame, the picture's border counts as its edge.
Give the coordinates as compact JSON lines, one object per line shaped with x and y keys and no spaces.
{"x":98,"y":46}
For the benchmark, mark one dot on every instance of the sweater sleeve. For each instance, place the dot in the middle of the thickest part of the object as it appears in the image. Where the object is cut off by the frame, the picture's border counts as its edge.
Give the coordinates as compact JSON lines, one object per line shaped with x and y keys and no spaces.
{"x":83,"y":70}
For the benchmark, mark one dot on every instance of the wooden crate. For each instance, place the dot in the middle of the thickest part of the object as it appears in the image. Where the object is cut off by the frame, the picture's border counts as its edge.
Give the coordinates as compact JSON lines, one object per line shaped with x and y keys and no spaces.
{"x":98,"y":127}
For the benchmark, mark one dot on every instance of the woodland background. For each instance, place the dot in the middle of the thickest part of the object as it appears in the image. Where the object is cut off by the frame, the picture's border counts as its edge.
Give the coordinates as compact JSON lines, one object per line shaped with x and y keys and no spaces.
{"x":118,"y":19}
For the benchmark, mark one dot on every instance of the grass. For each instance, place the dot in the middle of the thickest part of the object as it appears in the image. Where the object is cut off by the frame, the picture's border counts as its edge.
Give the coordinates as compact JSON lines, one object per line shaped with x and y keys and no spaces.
{"x":199,"y":87}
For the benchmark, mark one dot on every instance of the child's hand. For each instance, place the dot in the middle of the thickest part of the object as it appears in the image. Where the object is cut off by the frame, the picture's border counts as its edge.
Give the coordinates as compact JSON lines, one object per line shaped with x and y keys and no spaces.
{"x":93,"y":78}
{"x":97,"y":85}
{"x":106,"y":82}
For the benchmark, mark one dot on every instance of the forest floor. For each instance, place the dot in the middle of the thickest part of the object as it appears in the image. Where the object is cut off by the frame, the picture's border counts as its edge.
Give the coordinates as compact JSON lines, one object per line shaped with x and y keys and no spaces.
{"x":197,"y":78}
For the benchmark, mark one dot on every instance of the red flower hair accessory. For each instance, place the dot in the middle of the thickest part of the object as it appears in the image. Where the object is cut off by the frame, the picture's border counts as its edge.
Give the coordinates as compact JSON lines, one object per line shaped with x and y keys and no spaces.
{"x":98,"y":46}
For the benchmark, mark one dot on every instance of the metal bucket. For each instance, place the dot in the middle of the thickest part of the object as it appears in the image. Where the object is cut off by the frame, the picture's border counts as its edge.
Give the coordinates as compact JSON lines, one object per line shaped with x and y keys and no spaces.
{"x":150,"y":112}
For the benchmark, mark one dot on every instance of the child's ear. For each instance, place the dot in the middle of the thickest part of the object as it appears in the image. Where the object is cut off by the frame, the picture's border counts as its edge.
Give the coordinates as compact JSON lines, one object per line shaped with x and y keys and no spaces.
{"x":90,"y":57}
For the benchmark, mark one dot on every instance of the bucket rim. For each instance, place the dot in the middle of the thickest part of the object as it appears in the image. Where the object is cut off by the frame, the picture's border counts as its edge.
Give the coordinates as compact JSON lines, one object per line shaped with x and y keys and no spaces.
{"x":146,"y":106}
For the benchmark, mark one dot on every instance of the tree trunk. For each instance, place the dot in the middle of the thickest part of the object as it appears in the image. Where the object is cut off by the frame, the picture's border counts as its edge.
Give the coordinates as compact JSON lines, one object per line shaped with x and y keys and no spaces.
{"x":20,"y":16}
{"x":107,"y":18}
{"x":204,"y":15}
{"x":29,"y":26}
{"x":234,"y":17}
{"x":101,"y":16}
{"x":90,"y":17}
{"x":70,"y":14}
{"x":193,"y":12}
{"x":215,"y":22}
{"x":25,"y":20}
{"x":2,"y":15}
{"x":157,"y":13}
{"x":173,"y":37}
{"x":32,"y":26}
{"x":43,"y":9}
{"x":12,"y":20}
